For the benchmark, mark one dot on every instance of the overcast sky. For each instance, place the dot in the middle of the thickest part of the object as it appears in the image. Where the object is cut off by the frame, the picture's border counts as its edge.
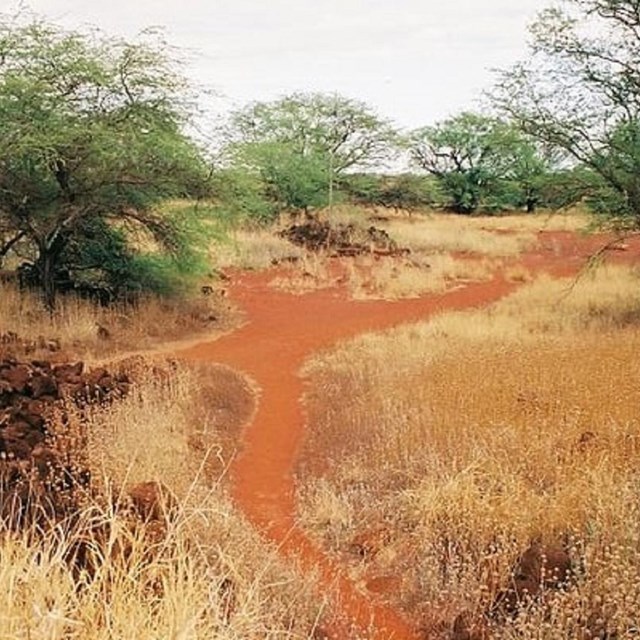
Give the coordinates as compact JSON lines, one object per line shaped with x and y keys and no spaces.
{"x":415,"y":61}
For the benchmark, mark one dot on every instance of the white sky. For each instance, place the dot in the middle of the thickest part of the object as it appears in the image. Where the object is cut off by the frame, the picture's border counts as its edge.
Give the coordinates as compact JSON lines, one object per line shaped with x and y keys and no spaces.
{"x":415,"y":61}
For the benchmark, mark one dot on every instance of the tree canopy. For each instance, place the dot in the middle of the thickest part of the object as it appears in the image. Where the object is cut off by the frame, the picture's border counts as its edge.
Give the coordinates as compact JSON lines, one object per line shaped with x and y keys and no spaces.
{"x":579,"y":91}
{"x":315,"y":123}
{"x":91,"y":129}
{"x":479,"y":159}
{"x":301,"y":143}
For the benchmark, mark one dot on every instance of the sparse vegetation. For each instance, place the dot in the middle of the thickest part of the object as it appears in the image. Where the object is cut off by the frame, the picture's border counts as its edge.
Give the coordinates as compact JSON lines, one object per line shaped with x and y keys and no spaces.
{"x":465,"y":477}
{"x":81,"y":328}
{"x":492,"y":428}
{"x":207,"y":574}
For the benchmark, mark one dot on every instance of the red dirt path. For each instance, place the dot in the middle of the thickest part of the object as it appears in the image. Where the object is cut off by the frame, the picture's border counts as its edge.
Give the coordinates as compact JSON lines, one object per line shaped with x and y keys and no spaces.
{"x":281,"y":332}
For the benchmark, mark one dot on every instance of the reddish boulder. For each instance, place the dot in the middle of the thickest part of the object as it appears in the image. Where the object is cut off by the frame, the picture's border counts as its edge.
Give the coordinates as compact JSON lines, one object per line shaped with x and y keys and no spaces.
{"x":152,"y":501}
{"x":539,"y":568}
{"x":43,"y":385}
{"x":68,"y":372}
{"x":16,"y":377}
{"x":34,"y":417}
{"x":465,"y":627}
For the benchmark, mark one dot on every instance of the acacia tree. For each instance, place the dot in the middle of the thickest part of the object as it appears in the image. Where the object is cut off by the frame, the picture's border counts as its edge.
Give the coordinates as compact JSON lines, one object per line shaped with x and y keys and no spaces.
{"x":303,"y":142}
{"x":580,"y":91}
{"x":291,"y":181}
{"x":405,"y":191}
{"x":90,"y":129}
{"x":465,"y":154}
{"x":529,"y":168}
{"x":479,"y":159}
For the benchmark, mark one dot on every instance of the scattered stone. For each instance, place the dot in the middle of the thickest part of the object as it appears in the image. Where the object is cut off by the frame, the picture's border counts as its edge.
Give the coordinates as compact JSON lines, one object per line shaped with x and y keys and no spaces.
{"x":585,"y":441}
{"x":16,"y":377}
{"x":540,"y":568}
{"x":465,"y":627}
{"x":103,"y":333}
{"x":341,"y":239}
{"x":32,"y":471}
{"x":10,"y":339}
{"x":152,"y":501}
{"x":369,"y":543}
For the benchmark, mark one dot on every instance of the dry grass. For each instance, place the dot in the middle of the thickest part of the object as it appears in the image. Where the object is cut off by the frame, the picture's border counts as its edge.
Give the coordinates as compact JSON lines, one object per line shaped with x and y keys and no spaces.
{"x":490,"y":429}
{"x":253,"y":249}
{"x":495,"y":236}
{"x":574,"y":219}
{"x":382,"y":278}
{"x":181,"y":592}
{"x":192,"y":414}
{"x":210,"y":577}
{"x":446,"y":250}
{"x":454,"y":234}
{"x":429,"y":232}
{"x":393,"y":278}
{"x":76,"y":323}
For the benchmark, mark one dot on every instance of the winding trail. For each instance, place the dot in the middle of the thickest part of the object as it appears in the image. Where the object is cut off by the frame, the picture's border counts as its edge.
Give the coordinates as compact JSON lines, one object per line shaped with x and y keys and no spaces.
{"x":281,"y":332}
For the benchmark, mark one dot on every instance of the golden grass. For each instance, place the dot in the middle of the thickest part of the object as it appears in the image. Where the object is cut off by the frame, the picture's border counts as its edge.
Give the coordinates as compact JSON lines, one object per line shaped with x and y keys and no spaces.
{"x":211,"y":577}
{"x":428,"y":232}
{"x":393,"y":278}
{"x":75,"y":323}
{"x":193,"y":414}
{"x":490,"y":429}
{"x":382,"y":278}
{"x":182,"y":592}
{"x":253,"y":249}
{"x":573,"y":219}
{"x":447,"y":233}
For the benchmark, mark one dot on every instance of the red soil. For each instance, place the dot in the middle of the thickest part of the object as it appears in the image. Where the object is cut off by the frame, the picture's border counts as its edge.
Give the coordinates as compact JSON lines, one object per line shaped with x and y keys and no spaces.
{"x":282,"y":331}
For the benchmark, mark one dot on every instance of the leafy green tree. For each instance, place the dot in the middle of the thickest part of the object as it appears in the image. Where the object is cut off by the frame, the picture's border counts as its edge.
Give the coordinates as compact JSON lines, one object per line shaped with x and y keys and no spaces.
{"x":91,"y":129}
{"x":466,"y":154}
{"x":579,"y":91}
{"x":569,"y":186}
{"x":528,"y":168}
{"x":241,"y":195}
{"x":406,"y":191}
{"x":483,"y":161}
{"x":301,"y":144}
{"x":292,"y":181}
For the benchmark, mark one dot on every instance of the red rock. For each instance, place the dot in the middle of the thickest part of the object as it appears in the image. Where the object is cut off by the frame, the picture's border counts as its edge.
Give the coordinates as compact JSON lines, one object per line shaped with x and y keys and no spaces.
{"x":370,"y":542}
{"x":94,"y":376}
{"x":17,"y":449}
{"x":585,"y":441}
{"x":43,"y":385}
{"x":44,"y":459}
{"x":16,"y":377}
{"x":539,"y":568}
{"x":549,"y":566}
{"x":34,"y":419}
{"x":466,"y":628}
{"x":151,"y":501}
{"x":69,"y":372}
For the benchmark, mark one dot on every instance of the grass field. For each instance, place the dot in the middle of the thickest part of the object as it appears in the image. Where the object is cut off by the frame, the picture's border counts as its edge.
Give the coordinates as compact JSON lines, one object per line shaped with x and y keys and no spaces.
{"x":80,"y":328}
{"x":207,"y":575}
{"x":435,"y":453}
{"x":491,"y":429}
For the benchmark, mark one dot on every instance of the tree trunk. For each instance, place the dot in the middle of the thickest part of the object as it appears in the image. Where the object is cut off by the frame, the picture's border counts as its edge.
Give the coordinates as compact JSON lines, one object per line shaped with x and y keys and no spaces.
{"x":50,"y":251}
{"x":46,"y":269}
{"x":531,"y":205}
